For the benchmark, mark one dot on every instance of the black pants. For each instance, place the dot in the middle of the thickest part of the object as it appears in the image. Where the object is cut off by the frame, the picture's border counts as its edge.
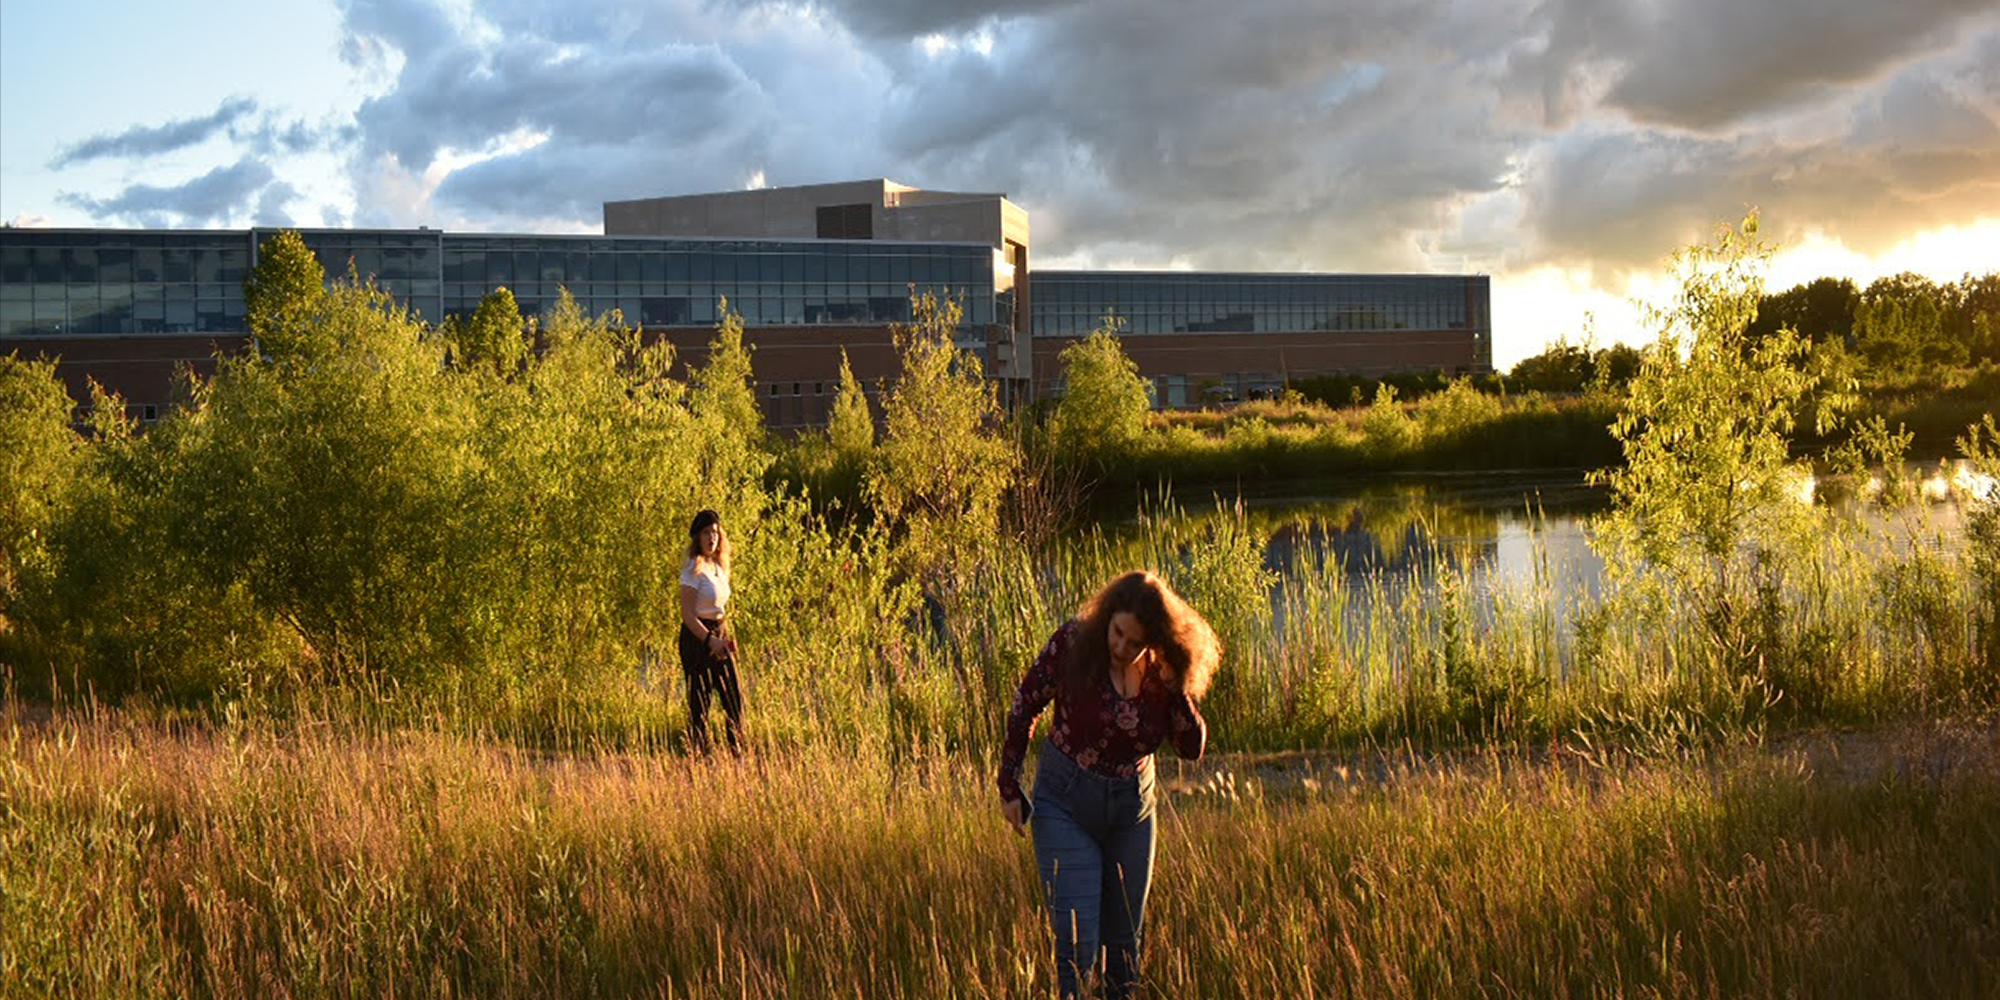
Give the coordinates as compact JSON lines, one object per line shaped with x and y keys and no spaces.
{"x":709,"y":677}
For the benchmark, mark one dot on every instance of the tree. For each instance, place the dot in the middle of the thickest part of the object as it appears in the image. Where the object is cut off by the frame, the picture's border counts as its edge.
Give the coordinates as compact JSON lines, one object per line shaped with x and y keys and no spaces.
{"x":1820,"y":310}
{"x":851,"y":427}
{"x":722,"y":387}
{"x":280,"y":297}
{"x":1561,"y":367}
{"x":39,"y":452}
{"x":1975,"y":316}
{"x":1104,"y":410}
{"x":1616,"y":365}
{"x":941,"y":470}
{"x":493,"y":337}
{"x":1706,"y":495}
{"x":1903,"y":333}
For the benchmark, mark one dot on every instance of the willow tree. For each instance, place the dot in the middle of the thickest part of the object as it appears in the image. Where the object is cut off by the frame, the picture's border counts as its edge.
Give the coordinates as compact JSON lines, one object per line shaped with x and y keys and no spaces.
{"x":1707,"y":502}
{"x":941,"y":468}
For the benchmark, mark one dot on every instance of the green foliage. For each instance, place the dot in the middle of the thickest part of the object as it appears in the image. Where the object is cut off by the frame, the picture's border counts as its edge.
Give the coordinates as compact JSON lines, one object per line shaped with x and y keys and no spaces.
{"x":1900,"y":325}
{"x":1821,"y":311}
{"x":494,"y":337}
{"x":39,"y":455}
{"x":851,"y":427}
{"x":1560,"y":367}
{"x":1567,"y":367}
{"x":724,"y":387}
{"x":281,"y":297}
{"x":1708,"y":498}
{"x":1105,"y":404}
{"x":1457,"y":412}
{"x":1980,"y":448}
{"x":1358,"y":390}
{"x":1389,"y":428}
{"x":941,"y":468}
{"x":377,"y":518}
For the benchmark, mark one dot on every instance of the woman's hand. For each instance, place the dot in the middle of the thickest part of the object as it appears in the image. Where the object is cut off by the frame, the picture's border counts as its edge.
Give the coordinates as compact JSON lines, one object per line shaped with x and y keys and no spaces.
{"x":717,"y":645}
{"x":1014,"y":813}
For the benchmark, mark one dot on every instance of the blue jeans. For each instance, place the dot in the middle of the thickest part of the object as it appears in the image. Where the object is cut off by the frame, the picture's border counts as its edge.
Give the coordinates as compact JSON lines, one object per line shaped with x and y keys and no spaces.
{"x":1094,"y":847}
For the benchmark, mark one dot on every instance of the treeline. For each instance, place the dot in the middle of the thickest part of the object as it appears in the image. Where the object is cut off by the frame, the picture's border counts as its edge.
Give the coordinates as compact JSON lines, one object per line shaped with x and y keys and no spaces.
{"x":1900,"y":327}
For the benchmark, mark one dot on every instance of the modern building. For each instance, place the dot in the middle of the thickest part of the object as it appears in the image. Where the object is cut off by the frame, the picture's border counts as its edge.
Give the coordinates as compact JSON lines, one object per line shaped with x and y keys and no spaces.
{"x":813,"y":271}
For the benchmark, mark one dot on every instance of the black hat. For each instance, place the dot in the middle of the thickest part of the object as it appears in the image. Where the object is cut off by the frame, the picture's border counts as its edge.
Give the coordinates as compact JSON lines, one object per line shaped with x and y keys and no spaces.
{"x":703,"y":520}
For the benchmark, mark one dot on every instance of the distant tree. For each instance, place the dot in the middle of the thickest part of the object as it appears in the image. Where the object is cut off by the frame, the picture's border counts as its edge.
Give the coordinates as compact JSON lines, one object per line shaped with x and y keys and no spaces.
{"x":851,"y":427}
{"x":1104,"y":408}
{"x":1616,"y":365}
{"x":941,"y":469}
{"x":1974,"y":316}
{"x":723,"y":386}
{"x":1567,"y":367}
{"x":1900,"y":325}
{"x":1820,"y":310}
{"x":493,"y":337}
{"x":1560,"y":367}
{"x":1905,"y":287}
{"x":280,"y":297}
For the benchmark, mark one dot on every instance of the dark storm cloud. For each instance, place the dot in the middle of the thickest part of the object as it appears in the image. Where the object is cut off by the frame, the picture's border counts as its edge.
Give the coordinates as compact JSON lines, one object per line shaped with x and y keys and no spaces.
{"x":1705,"y":64}
{"x":214,"y":198}
{"x":1269,"y":134}
{"x":620,"y":106}
{"x":1283,"y":135}
{"x":1917,"y":151}
{"x":152,"y":140}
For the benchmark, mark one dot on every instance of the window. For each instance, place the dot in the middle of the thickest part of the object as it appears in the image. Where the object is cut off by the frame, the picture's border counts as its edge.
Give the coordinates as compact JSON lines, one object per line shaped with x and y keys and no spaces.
{"x":846,"y":222}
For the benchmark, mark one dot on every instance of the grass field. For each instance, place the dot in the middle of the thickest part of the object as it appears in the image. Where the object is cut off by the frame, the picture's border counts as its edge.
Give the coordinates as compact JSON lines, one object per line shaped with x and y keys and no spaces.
{"x":144,"y":859}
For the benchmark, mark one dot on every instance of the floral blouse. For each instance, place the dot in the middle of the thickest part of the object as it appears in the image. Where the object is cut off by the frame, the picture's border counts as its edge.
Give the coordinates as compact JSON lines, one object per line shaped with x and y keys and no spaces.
{"x":1101,"y":731}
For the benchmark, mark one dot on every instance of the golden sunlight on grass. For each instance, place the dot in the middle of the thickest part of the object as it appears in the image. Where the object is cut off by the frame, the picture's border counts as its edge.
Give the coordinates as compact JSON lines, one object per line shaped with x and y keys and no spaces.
{"x":141,"y":860}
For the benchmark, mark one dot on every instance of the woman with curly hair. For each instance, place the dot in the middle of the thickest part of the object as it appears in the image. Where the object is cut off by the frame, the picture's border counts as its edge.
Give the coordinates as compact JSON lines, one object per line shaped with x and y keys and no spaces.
{"x":1125,"y":675}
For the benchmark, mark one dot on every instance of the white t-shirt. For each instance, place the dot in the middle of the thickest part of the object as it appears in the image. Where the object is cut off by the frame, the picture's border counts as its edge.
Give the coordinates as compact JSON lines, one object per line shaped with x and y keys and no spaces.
{"x":711,"y":587}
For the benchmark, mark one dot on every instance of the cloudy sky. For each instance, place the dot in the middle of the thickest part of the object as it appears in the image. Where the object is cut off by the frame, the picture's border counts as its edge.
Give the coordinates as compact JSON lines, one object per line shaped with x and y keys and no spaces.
{"x":1562,"y":146}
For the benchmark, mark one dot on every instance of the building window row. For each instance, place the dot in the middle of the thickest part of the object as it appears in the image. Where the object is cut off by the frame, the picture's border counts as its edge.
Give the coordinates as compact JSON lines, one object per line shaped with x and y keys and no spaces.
{"x":1072,"y":304}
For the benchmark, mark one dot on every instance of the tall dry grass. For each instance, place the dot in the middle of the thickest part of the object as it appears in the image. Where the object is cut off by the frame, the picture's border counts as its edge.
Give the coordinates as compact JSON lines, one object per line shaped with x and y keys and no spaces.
{"x":141,"y":859}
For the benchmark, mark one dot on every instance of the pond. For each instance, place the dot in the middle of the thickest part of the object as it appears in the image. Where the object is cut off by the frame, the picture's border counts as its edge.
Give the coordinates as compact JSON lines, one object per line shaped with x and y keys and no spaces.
{"x":1524,"y":532}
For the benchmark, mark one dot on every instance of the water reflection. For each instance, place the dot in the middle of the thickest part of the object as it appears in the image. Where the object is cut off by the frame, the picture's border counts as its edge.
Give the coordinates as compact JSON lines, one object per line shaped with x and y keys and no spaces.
{"x":1520,"y":538}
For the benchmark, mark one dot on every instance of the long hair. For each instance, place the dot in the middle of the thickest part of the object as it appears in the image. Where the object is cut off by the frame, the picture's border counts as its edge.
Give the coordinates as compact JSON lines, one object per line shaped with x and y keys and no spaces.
{"x":721,"y":547}
{"x":1176,"y":631}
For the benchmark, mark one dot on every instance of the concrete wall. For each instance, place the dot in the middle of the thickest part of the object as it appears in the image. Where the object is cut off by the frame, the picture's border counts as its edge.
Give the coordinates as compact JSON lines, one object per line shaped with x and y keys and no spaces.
{"x":776,"y":213}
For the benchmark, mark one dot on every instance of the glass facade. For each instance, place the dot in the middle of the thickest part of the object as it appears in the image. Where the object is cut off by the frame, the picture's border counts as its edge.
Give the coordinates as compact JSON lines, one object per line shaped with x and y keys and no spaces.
{"x":88,"y":282}
{"x":59,"y":282}
{"x":1073,"y":303}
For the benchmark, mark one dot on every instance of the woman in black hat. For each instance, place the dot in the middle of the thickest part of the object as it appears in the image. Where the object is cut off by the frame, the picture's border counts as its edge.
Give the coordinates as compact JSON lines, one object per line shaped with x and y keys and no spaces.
{"x":708,"y":654}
